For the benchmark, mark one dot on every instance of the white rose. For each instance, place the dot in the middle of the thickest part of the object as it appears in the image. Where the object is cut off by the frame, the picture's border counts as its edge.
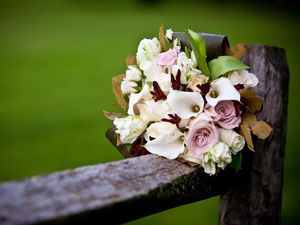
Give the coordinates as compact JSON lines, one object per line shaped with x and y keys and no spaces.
{"x":128,"y":87}
{"x":219,"y":155}
{"x":235,"y":141}
{"x":164,"y":139}
{"x":208,"y":164}
{"x":133,"y":74}
{"x":151,"y":111}
{"x":129,"y":128}
{"x":243,"y":77}
{"x":148,"y":49}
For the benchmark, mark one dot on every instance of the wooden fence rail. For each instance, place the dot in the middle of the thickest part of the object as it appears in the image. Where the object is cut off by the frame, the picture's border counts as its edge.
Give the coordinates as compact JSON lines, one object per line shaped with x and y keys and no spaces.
{"x":132,"y":188}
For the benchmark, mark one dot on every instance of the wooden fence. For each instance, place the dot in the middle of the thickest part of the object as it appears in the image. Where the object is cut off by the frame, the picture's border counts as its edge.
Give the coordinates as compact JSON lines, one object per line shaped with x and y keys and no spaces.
{"x":125,"y":190}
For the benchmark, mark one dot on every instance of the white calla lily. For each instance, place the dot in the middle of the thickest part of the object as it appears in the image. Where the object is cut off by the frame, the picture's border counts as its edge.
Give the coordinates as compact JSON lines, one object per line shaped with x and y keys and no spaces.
{"x":144,"y":94}
{"x":151,"y":111}
{"x":167,"y":142}
{"x":185,"y":104}
{"x":222,"y":89}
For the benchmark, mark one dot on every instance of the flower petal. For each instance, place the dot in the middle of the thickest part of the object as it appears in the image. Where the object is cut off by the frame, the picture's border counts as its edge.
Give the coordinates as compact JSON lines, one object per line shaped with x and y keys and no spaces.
{"x":224,"y":90}
{"x":185,"y":104}
{"x":168,"y":140}
{"x":135,"y":98}
{"x":153,"y":111}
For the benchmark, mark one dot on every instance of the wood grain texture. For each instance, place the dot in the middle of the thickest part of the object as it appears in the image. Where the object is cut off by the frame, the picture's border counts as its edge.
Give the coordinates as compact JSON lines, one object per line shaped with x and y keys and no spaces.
{"x":114,"y":192}
{"x":256,"y":195}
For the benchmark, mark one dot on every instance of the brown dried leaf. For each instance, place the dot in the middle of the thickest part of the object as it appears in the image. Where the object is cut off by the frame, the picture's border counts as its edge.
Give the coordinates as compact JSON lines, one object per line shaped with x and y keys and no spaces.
{"x":246,"y":133}
{"x":117,"y":91}
{"x":251,"y":100}
{"x":237,"y":51}
{"x":249,"y":119}
{"x":112,"y":115}
{"x":261,"y":129}
{"x":162,"y":39}
{"x":130,"y":60}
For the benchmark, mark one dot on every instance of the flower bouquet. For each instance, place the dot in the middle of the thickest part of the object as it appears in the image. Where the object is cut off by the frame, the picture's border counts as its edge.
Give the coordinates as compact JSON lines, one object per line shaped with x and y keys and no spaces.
{"x":188,"y":97}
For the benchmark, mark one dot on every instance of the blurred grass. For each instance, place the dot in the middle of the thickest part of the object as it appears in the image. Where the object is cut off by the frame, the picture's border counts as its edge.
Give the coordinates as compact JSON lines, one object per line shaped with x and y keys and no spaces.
{"x":56,"y":62}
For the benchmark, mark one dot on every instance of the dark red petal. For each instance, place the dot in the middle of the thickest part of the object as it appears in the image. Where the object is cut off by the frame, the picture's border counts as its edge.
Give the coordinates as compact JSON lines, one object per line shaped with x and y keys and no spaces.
{"x":157,"y":93}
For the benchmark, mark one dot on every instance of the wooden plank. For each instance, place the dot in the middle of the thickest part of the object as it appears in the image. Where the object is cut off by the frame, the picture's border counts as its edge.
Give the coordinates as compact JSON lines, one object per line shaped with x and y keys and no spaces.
{"x":114,"y":192}
{"x":256,"y":195}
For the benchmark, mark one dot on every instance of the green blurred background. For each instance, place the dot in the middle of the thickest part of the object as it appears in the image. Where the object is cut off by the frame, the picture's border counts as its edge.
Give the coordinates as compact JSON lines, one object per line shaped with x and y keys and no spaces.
{"x":56,"y":63}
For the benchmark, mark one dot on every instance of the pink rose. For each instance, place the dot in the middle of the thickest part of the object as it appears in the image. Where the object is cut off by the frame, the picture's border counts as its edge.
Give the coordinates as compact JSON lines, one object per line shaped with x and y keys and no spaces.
{"x":226,"y":114}
{"x":168,"y":58}
{"x":202,"y":135}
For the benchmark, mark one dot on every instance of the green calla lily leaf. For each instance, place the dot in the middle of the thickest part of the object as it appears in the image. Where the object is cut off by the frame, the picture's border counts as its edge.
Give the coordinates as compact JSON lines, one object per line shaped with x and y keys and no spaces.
{"x":223,"y":65}
{"x":198,"y":46}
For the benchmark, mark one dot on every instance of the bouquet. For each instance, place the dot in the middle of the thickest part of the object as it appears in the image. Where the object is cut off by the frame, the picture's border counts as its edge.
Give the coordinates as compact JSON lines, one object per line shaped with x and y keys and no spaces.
{"x":181,"y":104}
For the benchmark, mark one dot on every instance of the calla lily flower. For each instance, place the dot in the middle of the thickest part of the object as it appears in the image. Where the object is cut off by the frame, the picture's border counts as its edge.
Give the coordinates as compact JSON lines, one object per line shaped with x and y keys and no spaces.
{"x":167,"y":142}
{"x":185,"y":104}
{"x":135,"y":98}
{"x":222,"y":89}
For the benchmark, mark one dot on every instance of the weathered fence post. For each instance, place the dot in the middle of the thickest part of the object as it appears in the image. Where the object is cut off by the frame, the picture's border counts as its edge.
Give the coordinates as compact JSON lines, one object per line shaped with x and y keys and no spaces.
{"x":255,"y":198}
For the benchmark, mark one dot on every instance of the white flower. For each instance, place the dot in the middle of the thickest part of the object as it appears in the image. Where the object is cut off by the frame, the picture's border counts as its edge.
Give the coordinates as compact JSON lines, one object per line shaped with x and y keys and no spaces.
{"x":187,"y":67}
{"x":235,"y":141}
{"x":243,"y":77}
{"x":218,"y":156}
{"x":208,"y":164}
{"x":133,"y":74}
{"x":144,"y":94}
{"x":153,"y":72}
{"x":151,"y":111}
{"x":167,"y":142}
{"x":195,"y":81}
{"x":222,"y":89}
{"x":169,"y":34}
{"x":129,"y":128}
{"x":148,"y":49}
{"x":128,"y":86}
{"x":190,"y":157}
{"x":185,"y":104}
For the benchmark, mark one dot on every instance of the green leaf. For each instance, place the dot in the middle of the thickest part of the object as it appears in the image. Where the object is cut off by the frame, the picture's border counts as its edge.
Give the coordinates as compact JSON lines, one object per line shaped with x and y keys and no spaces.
{"x":198,"y":46}
{"x":187,"y":52}
{"x":236,"y":162}
{"x":223,"y":65}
